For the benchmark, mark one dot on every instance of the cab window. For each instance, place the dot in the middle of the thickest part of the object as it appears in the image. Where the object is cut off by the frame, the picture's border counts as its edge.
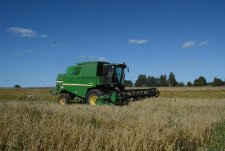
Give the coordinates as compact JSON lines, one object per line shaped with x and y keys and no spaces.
{"x":76,"y":71}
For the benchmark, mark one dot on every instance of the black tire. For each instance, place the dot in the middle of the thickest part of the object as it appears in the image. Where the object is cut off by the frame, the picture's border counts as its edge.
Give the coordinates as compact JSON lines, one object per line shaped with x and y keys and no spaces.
{"x":92,"y":96}
{"x":64,"y":98}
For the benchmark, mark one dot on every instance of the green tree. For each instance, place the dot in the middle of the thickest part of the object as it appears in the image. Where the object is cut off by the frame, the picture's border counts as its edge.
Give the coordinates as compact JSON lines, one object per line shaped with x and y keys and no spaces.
{"x":141,"y":81}
{"x":151,"y":82}
{"x":201,"y":81}
{"x":217,"y":82}
{"x":163,"y":81}
{"x":189,"y":83}
{"x":157,"y":82}
{"x":181,"y":84}
{"x":17,"y":86}
{"x":128,"y":83}
{"x":172,"y":79}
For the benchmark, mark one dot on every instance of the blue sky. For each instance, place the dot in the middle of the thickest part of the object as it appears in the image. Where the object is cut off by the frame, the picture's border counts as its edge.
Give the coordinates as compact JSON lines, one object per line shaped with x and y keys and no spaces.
{"x":39,"y":39}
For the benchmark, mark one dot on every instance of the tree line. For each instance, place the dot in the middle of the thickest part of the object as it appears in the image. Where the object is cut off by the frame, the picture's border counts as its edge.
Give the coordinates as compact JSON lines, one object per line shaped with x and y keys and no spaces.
{"x":164,"y":81}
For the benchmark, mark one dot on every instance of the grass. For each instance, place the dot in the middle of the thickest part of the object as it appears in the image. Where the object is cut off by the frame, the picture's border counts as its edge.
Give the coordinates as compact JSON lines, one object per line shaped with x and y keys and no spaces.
{"x":26,"y":94}
{"x":193,"y":92}
{"x":166,"y":123}
{"x":218,"y":136}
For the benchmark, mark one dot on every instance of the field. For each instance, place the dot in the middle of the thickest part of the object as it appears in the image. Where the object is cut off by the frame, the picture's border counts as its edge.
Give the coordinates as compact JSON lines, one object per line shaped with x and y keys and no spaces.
{"x":180,"y":119}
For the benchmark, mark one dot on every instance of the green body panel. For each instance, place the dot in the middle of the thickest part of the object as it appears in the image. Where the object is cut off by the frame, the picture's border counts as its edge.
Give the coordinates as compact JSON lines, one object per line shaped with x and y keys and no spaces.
{"x":78,"y":79}
{"x":82,"y":77}
{"x":106,"y":78}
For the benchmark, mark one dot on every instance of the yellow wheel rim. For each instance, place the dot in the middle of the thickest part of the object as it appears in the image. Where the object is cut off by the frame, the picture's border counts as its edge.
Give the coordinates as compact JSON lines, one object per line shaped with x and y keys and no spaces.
{"x":62,"y":101}
{"x":93,"y":99}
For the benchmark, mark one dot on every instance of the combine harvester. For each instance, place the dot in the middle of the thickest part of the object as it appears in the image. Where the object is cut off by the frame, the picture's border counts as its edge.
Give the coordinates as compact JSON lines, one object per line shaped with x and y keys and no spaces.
{"x":97,"y":83}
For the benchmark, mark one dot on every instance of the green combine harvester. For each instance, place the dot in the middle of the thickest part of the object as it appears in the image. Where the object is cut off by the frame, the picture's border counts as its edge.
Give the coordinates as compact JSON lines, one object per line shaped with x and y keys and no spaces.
{"x":97,"y":83}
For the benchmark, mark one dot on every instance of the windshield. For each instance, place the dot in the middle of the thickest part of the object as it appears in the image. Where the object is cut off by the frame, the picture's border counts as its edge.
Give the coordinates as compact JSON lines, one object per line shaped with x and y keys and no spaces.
{"x":120,"y":74}
{"x":114,"y":74}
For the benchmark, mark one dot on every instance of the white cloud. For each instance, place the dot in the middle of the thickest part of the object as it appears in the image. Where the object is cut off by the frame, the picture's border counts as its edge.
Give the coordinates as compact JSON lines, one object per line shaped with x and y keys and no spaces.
{"x":22,"y":32}
{"x":188,"y":44}
{"x":58,"y":43}
{"x":101,"y":59}
{"x":203,"y":43}
{"x":138,"y":41}
{"x":88,"y":58}
{"x":44,"y":36}
{"x":63,"y":43}
{"x":17,"y":53}
{"x":20,"y":53}
{"x":182,"y":64}
{"x":92,"y":58}
{"x":28,"y":51}
{"x":82,"y":57}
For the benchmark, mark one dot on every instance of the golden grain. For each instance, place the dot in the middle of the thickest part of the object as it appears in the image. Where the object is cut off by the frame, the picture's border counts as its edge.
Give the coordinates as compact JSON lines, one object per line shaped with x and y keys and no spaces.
{"x":151,"y":124}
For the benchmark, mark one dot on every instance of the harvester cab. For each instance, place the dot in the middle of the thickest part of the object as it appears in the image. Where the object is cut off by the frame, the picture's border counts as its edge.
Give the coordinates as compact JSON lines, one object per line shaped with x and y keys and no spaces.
{"x":97,"y":83}
{"x":114,"y":74}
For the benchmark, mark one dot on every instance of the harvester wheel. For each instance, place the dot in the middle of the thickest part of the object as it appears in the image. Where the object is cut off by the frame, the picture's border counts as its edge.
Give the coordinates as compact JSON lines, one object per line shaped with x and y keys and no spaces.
{"x":64,"y":99}
{"x":93,"y":95}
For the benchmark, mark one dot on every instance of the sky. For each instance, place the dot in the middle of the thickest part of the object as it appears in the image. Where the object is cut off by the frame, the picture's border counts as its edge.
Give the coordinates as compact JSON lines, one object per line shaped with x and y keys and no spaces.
{"x":40,"y":38}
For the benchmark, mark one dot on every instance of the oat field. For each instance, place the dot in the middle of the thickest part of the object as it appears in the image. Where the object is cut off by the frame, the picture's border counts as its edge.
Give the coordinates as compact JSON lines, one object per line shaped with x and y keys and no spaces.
{"x":181,"y":119}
